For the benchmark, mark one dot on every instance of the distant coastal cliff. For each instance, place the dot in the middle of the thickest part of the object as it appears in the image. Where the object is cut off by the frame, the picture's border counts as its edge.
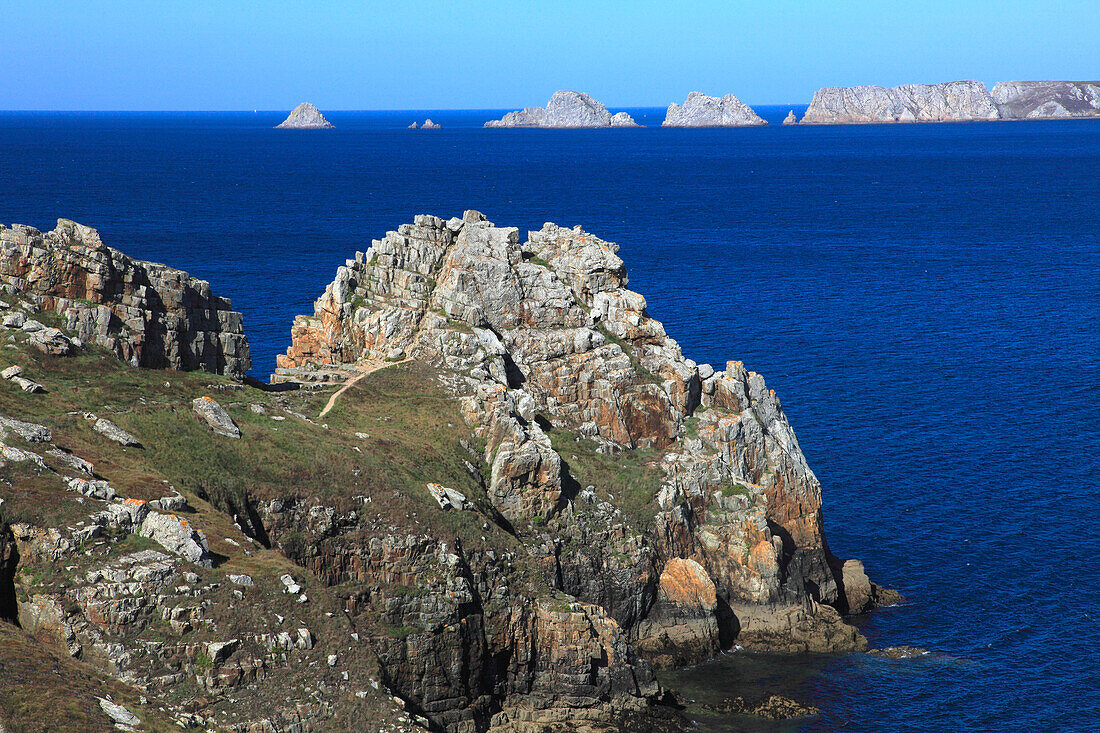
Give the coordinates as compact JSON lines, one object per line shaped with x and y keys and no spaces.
{"x":956,"y":101}
{"x":566,"y":109}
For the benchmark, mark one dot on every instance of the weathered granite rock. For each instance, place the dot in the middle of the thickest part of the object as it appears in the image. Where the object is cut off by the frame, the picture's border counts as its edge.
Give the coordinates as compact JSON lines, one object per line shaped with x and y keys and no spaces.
{"x":177,"y":536}
{"x":682,"y":627}
{"x":304,"y":117}
{"x":148,"y":314}
{"x":565,"y":109}
{"x":545,"y":332}
{"x":700,"y":110}
{"x":123,"y":718}
{"x":415,"y":125}
{"x":1040,"y":100}
{"x":216,"y":417}
{"x":956,"y":101}
{"x":429,"y":125}
{"x":790,"y":119}
{"x":109,"y":430}
{"x":30,"y":432}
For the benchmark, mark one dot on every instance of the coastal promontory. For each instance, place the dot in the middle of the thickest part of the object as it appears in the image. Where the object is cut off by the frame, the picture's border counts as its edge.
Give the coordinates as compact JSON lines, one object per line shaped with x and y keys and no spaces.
{"x":522,"y":499}
{"x":1040,"y":100}
{"x":566,"y":109}
{"x":956,"y":101}
{"x":304,"y":117}
{"x":701,"y":110}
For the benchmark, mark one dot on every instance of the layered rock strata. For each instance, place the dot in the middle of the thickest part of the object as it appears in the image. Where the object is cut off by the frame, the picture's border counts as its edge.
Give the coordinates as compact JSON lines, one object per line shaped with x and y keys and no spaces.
{"x":700,"y":110}
{"x":956,"y":101}
{"x":565,"y":109}
{"x":1040,"y":100}
{"x":148,"y":314}
{"x":304,"y":117}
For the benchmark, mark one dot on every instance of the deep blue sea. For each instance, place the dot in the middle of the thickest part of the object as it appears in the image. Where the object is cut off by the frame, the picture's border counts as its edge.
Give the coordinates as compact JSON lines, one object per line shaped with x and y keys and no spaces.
{"x":925,"y":299}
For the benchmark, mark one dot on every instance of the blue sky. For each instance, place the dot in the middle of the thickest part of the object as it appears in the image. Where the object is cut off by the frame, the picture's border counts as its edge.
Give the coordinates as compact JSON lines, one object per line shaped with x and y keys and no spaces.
{"x":414,"y":54}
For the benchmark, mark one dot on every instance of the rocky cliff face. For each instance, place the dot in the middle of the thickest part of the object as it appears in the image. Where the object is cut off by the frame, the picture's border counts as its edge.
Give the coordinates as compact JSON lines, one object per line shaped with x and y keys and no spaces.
{"x":545,"y":340}
{"x":957,"y":101}
{"x":700,"y":110}
{"x":565,"y":109}
{"x":523,"y":500}
{"x":147,"y":314}
{"x":1035,"y":100}
{"x":304,"y":117}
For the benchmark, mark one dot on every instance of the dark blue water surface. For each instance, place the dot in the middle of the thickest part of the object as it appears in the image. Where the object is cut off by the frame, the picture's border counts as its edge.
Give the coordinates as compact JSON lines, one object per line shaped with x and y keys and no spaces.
{"x":925,"y":299}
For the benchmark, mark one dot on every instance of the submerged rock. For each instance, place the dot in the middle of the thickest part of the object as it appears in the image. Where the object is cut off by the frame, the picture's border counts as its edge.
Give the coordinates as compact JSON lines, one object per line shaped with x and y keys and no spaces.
{"x":305,"y":117}
{"x":773,"y":707}
{"x":565,"y":109}
{"x":956,"y":101}
{"x":700,"y":110}
{"x":1041,"y":100}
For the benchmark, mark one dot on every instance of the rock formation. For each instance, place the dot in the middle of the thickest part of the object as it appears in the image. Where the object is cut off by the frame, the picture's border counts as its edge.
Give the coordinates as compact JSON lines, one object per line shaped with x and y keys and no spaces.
{"x":956,"y":101}
{"x":790,"y":119}
{"x":304,"y":117}
{"x":429,"y":125}
{"x":699,"y":110}
{"x":147,"y":314}
{"x":565,"y":109}
{"x":544,"y":335}
{"x":523,"y":500}
{"x":1037,"y":100}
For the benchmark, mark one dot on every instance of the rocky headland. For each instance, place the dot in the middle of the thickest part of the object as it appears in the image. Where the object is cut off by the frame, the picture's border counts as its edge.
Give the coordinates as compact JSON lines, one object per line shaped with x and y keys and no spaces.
{"x":304,"y":117}
{"x":700,"y":110}
{"x":566,"y":109}
{"x":522,"y":499}
{"x":1042,"y":100}
{"x":956,"y":101}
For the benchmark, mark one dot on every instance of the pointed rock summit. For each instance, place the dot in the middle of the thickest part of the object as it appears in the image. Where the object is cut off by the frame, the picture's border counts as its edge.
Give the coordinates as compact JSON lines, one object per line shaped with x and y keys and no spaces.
{"x":790,"y":119}
{"x":304,"y":117}
{"x":700,"y":110}
{"x":566,"y":109}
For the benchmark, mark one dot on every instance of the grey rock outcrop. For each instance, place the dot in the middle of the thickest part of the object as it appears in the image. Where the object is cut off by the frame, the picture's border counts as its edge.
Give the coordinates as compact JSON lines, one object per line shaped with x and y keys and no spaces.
{"x":109,"y":430}
{"x":216,"y":417}
{"x":956,"y":101}
{"x":148,"y":314}
{"x":1040,"y":100}
{"x":429,"y":125}
{"x":565,"y":109}
{"x":415,"y":125}
{"x":700,"y":110}
{"x":790,"y":119}
{"x":304,"y":117}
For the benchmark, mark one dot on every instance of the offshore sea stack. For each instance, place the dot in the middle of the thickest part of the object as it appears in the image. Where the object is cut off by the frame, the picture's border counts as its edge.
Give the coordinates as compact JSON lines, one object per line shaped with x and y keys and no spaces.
{"x":148,"y":314}
{"x":1039,"y":100}
{"x":700,"y":110}
{"x":566,"y":109}
{"x":956,"y":101}
{"x":304,"y":117}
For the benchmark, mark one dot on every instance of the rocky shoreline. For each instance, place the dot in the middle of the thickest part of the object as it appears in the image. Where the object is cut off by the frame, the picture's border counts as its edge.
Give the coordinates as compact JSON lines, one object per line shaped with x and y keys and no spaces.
{"x":524,"y":500}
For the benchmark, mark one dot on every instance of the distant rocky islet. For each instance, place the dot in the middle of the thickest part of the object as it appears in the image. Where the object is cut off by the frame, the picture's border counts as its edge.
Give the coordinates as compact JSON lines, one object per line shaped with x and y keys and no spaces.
{"x":304,"y":117}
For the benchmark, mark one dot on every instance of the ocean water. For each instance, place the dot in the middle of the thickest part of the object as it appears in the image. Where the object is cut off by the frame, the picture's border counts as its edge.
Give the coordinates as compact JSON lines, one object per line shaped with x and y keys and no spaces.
{"x":925,"y":299}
